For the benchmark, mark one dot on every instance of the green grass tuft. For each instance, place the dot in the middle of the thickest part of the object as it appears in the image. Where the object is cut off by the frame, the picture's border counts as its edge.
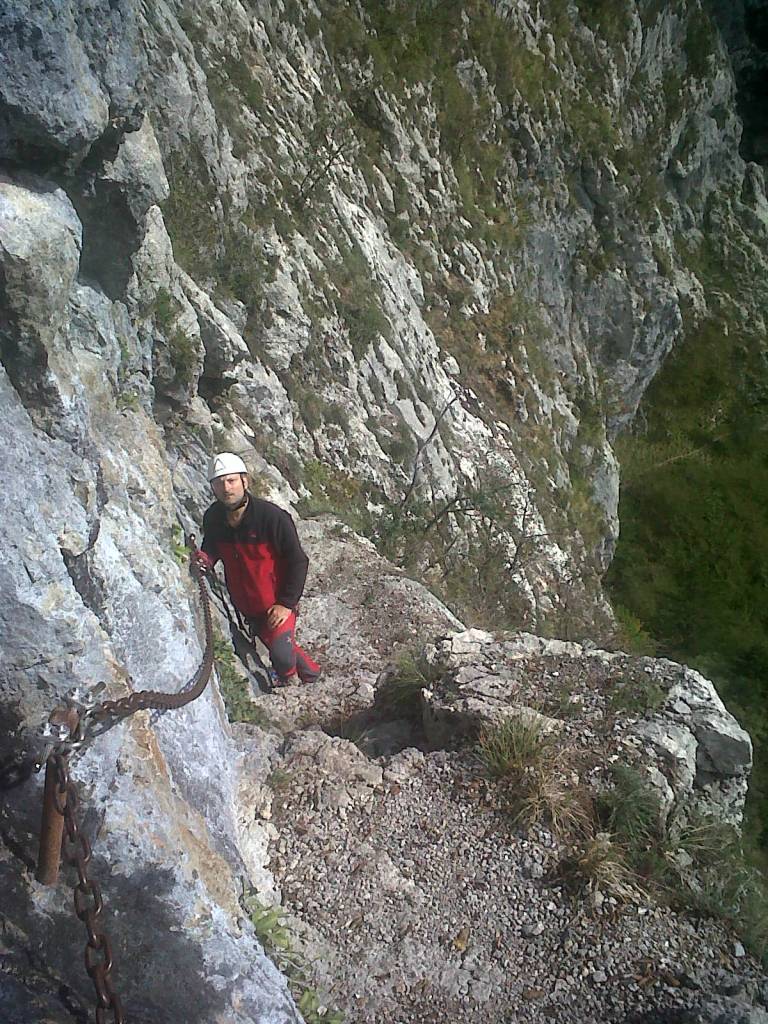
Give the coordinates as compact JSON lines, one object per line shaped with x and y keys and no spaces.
{"x":514,"y":746}
{"x":399,"y":694}
{"x":235,"y":690}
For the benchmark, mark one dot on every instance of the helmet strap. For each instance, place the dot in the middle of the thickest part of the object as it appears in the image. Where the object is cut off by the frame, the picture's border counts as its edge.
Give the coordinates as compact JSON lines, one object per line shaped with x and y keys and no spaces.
{"x":243,"y":501}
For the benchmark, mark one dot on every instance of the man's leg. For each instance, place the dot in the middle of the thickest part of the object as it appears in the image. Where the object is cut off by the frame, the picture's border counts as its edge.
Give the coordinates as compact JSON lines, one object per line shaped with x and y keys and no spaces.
{"x":286,"y":656}
{"x":307,"y":668}
{"x":279,"y":643}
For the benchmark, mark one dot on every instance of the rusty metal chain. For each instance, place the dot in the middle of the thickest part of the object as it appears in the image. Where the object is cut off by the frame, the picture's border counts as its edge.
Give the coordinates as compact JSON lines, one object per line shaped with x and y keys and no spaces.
{"x":74,"y":723}
{"x":89,"y":905}
{"x":114,"y":710}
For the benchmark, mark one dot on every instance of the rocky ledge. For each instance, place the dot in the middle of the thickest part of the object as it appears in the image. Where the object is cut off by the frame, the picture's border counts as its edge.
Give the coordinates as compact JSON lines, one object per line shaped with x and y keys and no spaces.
{"x":420,"y":887}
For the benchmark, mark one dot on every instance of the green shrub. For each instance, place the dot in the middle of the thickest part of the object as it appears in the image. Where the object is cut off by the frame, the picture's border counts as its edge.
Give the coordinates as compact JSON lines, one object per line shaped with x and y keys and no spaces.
{"x":128,"y":401}
{"x":179,"y":549}
{"x":533,"y":775}
{"x":183,"y":355}
{"x":189,"y":214}
{"x":275,"y":936}
{"x":243,"y":79}
{"x":181,"y":349}
{"x":690,"y":563}
{"x":731,"y":887}
{"x":359,"y":300}
{"x":399,"y":694}
{"x":700,"y":42}
{"x":336,"y":492}
{"x":635,"y":696}
{"x":165,"y":309}
{"x":610,"y":18}
{"x":632,"y":636}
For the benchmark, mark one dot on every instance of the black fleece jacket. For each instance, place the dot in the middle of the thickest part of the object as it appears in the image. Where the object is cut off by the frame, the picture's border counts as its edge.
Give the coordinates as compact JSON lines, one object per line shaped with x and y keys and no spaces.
{"x":264,"y":562}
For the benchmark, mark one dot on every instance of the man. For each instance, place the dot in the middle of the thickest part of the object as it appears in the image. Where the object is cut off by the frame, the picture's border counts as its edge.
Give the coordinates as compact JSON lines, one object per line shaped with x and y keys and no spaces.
{"x":264,"y":564}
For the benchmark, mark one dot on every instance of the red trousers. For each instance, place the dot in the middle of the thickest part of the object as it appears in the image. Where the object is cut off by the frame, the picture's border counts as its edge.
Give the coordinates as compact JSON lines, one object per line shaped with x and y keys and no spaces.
{"x":286,"y":656}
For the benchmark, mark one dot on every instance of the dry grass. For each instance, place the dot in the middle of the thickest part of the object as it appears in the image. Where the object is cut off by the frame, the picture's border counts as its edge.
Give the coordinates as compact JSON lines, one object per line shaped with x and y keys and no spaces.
{"x":617,"y":841}
{"x":537,"y":779}
{"x":566,"y":808}
{"x":598,"y":864}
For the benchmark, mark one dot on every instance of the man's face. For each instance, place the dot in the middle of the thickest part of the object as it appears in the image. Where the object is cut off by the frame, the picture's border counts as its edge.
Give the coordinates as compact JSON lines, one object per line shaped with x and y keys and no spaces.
{"x":230,"y":489}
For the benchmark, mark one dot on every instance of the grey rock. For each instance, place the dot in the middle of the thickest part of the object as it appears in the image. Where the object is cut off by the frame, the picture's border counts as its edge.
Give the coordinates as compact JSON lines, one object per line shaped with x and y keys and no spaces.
{"x":40,"y":239}
{"x":677,"y":747}
{"x":467,"y":696}
{"x":728,"y":984}
{"x":40,"y":244}
{"x":76,"y":604}
{"x":224,"y":346}
{"x":138,"y":171}
{"x":724,"y":747}
{"x":71,"y":77}
{"x":531,"y":931}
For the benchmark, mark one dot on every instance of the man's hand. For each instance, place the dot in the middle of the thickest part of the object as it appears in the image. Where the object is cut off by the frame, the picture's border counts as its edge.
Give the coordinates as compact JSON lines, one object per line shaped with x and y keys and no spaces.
{"x":277,"y":615}
{"x":201,"y":562}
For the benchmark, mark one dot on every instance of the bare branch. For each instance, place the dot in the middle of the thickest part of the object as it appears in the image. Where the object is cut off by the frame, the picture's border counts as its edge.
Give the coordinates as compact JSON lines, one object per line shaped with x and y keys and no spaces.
{"x":421,"y":447}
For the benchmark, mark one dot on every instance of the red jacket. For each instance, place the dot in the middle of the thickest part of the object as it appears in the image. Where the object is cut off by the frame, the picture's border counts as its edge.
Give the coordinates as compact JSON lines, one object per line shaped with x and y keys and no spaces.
{"x":264,"y":562}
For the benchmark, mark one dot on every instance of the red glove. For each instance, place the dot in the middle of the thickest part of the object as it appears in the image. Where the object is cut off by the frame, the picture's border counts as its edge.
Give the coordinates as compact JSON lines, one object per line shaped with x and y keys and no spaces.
{"x":202,"y":562}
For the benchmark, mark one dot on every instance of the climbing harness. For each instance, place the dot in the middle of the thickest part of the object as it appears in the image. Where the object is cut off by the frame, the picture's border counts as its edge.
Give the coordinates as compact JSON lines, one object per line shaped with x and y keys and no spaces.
{"x":70,"y":727}
{"x":240,"y":632}
{"x":242,"y":639}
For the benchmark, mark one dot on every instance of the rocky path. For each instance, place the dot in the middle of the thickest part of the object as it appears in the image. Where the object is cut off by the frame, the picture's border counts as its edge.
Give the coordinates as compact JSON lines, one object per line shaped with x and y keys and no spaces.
{"x":434,"y":908}
{"x":412,"y":897}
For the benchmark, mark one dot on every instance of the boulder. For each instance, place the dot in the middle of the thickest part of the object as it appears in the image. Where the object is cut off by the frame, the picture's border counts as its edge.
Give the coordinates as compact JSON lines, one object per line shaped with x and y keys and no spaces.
{"x":666,"y":718}
{"x":71,"y":77}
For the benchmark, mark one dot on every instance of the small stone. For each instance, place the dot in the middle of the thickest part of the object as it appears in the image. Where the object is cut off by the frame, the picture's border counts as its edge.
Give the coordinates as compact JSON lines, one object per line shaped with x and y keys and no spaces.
{"x":689,"y":980}
{"x":599,"y":977}
{"x":531,"y":930}
{"x":532,"y":993}
{"x":728,"y":984}
{"x":738,"y":950}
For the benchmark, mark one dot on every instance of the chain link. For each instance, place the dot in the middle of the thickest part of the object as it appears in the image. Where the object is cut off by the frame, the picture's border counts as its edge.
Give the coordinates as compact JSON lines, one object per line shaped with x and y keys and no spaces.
{"x":94,"y":718}
{"x":76,"y":850}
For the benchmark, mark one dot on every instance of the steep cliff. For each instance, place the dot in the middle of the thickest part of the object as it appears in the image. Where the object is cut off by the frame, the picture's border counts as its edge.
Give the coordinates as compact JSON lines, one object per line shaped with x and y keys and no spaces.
{"x":418,"y":265}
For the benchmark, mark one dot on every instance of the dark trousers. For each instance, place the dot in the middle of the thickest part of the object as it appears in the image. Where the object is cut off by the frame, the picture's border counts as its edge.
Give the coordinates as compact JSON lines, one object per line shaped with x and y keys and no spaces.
{"x":288,"y":659}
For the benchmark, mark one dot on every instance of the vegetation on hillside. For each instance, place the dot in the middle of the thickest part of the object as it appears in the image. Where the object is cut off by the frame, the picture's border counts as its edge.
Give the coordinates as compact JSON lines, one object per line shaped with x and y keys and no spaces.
{"x":692,"y":561}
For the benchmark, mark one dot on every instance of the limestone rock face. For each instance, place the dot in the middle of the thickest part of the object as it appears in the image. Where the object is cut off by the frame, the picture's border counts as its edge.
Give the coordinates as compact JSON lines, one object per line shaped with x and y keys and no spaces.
{"x":40,"y":241}
{"x":71,"y":77}
{"x":79,"y":604}
{"x":91,"y":591}
{"x":242,"y":226}
{"x":418,"y":335}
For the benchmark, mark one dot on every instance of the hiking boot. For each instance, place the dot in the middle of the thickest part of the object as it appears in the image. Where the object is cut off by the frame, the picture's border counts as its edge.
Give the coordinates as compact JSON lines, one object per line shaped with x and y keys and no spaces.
{"x":279,"y":681}
{"x":310,"y":677}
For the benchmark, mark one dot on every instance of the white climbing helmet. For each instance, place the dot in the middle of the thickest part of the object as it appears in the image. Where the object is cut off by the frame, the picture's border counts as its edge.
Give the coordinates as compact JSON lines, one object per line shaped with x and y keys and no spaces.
{"x":225,"y":463}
